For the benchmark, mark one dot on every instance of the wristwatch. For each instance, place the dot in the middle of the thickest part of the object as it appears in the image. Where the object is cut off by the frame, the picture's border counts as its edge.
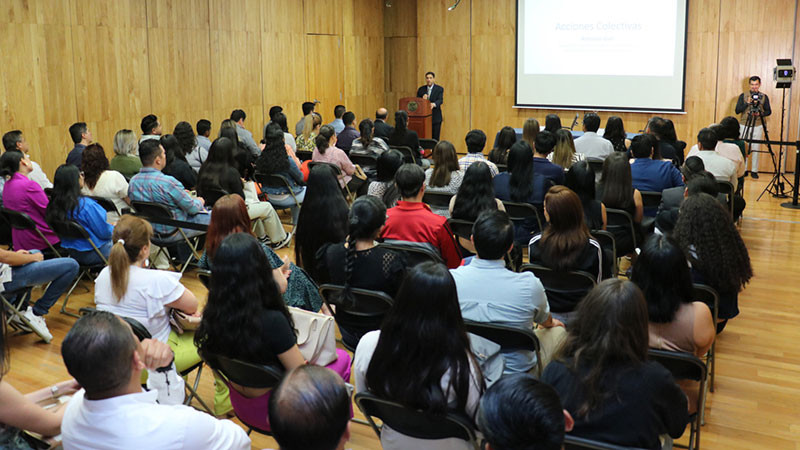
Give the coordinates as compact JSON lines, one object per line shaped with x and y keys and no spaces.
{"x":54,"y":391}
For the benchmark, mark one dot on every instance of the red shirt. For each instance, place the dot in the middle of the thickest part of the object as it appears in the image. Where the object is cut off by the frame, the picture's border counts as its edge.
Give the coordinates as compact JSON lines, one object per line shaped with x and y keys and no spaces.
{"x":414,"y":222}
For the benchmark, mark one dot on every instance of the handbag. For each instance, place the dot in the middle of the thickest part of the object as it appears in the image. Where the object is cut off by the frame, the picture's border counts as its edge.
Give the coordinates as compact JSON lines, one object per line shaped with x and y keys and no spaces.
{"x":359,"y":173}
{"x":181,"y":321}
{"x":489,"y":357}
{"x":316,"y":336}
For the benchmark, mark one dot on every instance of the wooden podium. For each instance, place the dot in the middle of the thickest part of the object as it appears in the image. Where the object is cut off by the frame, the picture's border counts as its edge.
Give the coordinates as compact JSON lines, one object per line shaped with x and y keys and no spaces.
{"x":419,"y":115}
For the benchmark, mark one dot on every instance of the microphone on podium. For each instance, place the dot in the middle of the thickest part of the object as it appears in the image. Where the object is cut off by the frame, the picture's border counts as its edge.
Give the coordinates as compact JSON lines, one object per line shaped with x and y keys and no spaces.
{"x":574,"y":121}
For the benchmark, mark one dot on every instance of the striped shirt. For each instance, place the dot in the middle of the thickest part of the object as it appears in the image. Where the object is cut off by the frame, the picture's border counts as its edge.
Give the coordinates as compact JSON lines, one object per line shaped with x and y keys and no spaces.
{"x":150,"y":185}
{"x":466,"y":161}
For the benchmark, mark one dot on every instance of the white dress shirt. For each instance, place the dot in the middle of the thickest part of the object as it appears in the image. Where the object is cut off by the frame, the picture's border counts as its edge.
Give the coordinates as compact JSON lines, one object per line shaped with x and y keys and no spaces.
{"x":593,"y":146}
{"x":136,"y":421}
{"x":38,"y":175}
{"x":721,"y":167}
{"x":728,"y":150}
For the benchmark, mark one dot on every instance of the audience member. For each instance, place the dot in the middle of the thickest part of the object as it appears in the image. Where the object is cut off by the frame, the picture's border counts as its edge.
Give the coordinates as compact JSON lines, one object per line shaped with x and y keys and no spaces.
{"x":648,"y":174}
{"x":106,"y":359}
{"x":360,"y":263}
{"x":552,"y":123}
{"x":243,"y":301}
{"x":403,"y":137}
{"x":446,"y":175}
{"x":671,"y":138}
{"x":177,"y":165}
{"x":615,"y":133}
{"x":520,"y":412}
{"x":151,"y":128}
{"x":245,"y":136}
{"x":14,"y":141}
{"x":368,"y":143}
{"x":580,"y":178}
{"x":126,"y":161}
{"x":604,"y":378}
{"x":564,"y":153}
{"x":382,"y":129}
{"x":100,"y":181}
{"x":67,"y":204}
{"x":505,"y":139}
{"x":273,"y":110}
{"x":384,"y":187}
{"x":616,"y":191}
{"x":203,"y":128}
{"x":231,"y":216}
{"x":400,"y":364}
{"x":188,"y":143}
{"x":310,"y":409}
{"x":673,"y":197}
{"x":308,"y":108}
{"x":306,"y":140}
{"x":476,"y":140}
{"x":530,"y":129}
{"x":730,"y":146}
{"x":490,"y":293}
{"x":338,"y":123}
{"x":219,"y":175}
{"x":715,"y":250}
{"x":345,"y":138}
{"x":669,"y":210}
{"x":275,"y":161}
{"x":720,"y":166}
{"x":327,"y":152}
{"x":729,"y":133}
{"x":81,"y":136}
{"x":323,"y":218}
{"x":280,"y":119}
{"x":592,"y":145}
{"x":658,"y":127}
{"x":412,"y":220}
{"x":475,"y":195}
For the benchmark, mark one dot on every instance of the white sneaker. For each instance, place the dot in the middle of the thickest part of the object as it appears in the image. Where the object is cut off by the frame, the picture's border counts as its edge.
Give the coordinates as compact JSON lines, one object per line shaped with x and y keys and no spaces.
{"x":38,"y":325}
{"x":284,"y":243}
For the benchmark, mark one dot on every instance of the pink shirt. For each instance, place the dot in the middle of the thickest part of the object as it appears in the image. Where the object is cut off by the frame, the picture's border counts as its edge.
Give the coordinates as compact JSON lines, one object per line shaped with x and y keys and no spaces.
{"x":338,"y":158}
{"x":728,"y":150}
{"x":24,"y":195}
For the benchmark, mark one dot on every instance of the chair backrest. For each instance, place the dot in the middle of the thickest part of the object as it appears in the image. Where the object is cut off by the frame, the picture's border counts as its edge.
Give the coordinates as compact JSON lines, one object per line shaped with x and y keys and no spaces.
{"x":408,"y":154}
{"x":427,"y":144}
{"x":522,"y":211}
{"x":620,"y":223}
{"x":410,"y":422}
{"x":461,"y":228}
{"x":71,"y":229}
{"x":507,"y":337}
{"x":596,"y":165}
{"x":365,"y":313}
{"x":608,"y":244}
{"x":211,"y":195}
{"x":415,"y":252}
{"x":106,"y":204}
{"x":709,"y":296}
{"x":438,"y":199}
{"x":21,"y":221}
{"x":574,"y":442}
{"x":272,"y":180}
{"x":336,"y":169}
{"x":363,"y":160}
{"x":304,"y":155}
{"x":257,"y":376}
{"x":160,"y":214}
{"x":139,"y":330}
{"x":726,"y":188}
{"x":651,"y":199}
{"x":565,"y":289}
{"x":682,"y":365}
{"x":205,"y":277}
{"x":502,"y":167}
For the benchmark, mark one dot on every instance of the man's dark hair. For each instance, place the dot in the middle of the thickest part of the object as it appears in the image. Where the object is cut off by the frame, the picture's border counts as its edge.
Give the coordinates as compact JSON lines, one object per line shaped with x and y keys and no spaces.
{"x":237,"y":115}
{"x":430,"y":73}
{"x":643,"y":145}
{"x":409,"y":180}
{"x":755,"y":78}
{"x":704,"y":183}
{"x":149,"y":122}
{"x":339,"y":111}
{"x":521,"y":412}
{"x":493,"y":234}
{"x":707,"y":138}
{"x":348,"y":118}
{"x":203,"y":126}
{"x":98,"y":352}
{"x":274,"y":110}
{"x":591,"y":121}
{"x":476,"y":140}
{"x":76,"y":131}
{"x":309,"y":410}
{"x":544,"y":142}
{"x":307,"y":108}
{"x":10,"y":140}
{"x":381,"y":116}
{"x":149,"y":151}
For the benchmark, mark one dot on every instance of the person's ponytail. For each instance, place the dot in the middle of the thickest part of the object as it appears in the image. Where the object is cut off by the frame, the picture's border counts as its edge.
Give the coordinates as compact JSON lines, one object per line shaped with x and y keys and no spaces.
{"x":323,"y":139}
{"x":130,"y":236}
{"x":119,"y":263}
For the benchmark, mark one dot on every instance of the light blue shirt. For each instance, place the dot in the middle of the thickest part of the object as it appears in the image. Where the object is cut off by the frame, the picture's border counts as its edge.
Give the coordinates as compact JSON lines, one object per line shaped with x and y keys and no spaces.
{"x":488,"y":292}
{"x":338,"y":125}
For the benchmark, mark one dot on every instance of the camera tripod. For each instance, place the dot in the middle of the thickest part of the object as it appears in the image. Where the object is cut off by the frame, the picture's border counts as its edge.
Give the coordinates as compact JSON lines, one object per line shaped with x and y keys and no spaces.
{"x":777,"y":185}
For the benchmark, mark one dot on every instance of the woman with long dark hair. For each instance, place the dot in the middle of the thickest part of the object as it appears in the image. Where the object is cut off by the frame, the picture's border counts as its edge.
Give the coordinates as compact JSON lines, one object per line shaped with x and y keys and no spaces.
{"x":219,"y":174}
{"x":177,"y":166}
{"x":475,"y":195}
{"x":246,"y":318}
{"x":187,"y":140}
{"x":368,"y":144}
{"x":616,"y":191}
{"x":280,"y":120}
{"x":530,"y":129}
{"x":67,"y":204}
{"x":604,"y":378}
{"x":401,"y":135}
{"x":517,"y":185}
{"x":275,"y":160}
{"x":580,"y":178}
{"x":446,"y":175}
{"x":552,"y":123}
{"x":716,"y":251}
{"x":359,"y":262}
{"x":615,"y":132}
{"x":383,"y":187}
{"x":564,"y":153}
{"x":505,"y":139}
{"x":323,"y":218}
{"x":421,"y":356}
{"x":100,"y":181}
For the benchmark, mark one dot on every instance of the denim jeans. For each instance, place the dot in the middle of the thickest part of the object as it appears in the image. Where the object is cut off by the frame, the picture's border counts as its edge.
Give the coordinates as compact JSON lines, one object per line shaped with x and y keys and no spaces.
{"x":90,"y":257}
{"x":61,"y":271}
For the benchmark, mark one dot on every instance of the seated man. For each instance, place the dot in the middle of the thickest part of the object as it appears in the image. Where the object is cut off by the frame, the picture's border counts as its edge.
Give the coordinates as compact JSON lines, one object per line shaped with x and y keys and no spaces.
{"x":14,"y":141}
{"x":412,"y":220}
{"x":310,"y":409}
{"x":545,"y":173}
{"x":702,"y":182}
{"x":648,"y":174}
{"x":382,"y":129}
{"x":81,"y":136}
{"x":476,"y":140}
{"x":727,"y":149}
{"x":721,"y":167}
{"x":519,"y":412}
{"x":245,"y":136}
{"x":112,"y":411}
{"x":344,"y":140}
{"x":23,"y":269}
{"x":151,"y":128}
{"x":490,"y":293}
{"x":591,"y":144}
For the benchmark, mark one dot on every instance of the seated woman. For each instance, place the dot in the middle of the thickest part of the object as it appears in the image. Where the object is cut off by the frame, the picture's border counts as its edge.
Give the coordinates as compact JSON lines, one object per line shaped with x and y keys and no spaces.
{"x":616,"y":191}
{"x":219,"y":174}
{"x":580,"y":178}
{"x":505,"y":139}
{"x":475,"y":195}
{"x":531,"y":128}
{"x":517,"y":185}
{"x":100,"y":181}
{"x":359,"y":262}
{"x":187,"y":141}
{"x":368,"y":144}
{"x":275,"y":160}
{"x":306,"y":140}
{"x":615,"y":132}
{"x":604,"y":378}
{"x":328,"y":152}
{"x":401,"y":136}
{"x":383,"y":187}
{"x":67,"y":204}
{"x":126,"y":147}
{"x":25,"y":195}
{"x":177,"y":166}
{"x":445,"y":176}
{"x":716,"y":252}
{"x":246,"y":319}
{"x":552,"y":123}
{"x":564,"y":153}
{"x":230,"y":216}
{"x":421,"y":356}
{"x":323,"y":218}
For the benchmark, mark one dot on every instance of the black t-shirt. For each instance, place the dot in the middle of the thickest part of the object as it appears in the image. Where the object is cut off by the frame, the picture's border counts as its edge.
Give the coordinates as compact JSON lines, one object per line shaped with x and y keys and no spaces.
{"x":642,"y":403}
{"x":182,"y":172}
{"x":376,"y":269}
{"x":276,"y":337}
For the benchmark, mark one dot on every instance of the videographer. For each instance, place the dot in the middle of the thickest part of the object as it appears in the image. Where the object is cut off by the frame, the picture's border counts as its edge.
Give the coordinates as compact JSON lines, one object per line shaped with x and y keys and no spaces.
{"x":754,"y":104}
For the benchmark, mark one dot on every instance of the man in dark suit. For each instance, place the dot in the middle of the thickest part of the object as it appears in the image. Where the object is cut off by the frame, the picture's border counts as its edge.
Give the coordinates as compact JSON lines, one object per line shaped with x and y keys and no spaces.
{"x":435,"y":93}
{"x":382,"y":129}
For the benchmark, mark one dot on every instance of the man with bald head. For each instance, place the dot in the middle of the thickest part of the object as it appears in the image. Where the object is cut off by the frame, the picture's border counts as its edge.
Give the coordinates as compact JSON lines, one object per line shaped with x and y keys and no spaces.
{"x":382,"y":129}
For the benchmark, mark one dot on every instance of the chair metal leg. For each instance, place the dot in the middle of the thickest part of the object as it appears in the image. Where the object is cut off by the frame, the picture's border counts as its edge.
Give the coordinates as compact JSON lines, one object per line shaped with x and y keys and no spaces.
{"x":15,"y":312}
{"x":711,"y":361}
{"x":193,"y":391}
{"x":66,"y":298}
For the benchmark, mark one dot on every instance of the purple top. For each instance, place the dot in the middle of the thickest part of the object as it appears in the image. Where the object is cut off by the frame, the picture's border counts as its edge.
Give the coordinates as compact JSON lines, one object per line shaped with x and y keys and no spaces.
{"x":23,"y":195}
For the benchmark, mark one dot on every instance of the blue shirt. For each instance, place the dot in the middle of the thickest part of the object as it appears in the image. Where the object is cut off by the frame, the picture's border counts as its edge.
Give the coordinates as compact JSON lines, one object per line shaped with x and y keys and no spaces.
{"x":338,"y":125}
{"x":92,"y":217}
{"x":490,"y":293}
{"x":76,"y":155}
{"x":293,"y":176}
{"x":150,"y":185}
{"x":653,"y":175}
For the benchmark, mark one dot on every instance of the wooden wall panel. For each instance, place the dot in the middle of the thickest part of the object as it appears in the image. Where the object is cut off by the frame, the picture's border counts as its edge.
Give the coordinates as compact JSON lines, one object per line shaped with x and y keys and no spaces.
{"x":793,"y":121}
{"x":235,"y":15}
{"x":282,"y":16}
{"x":120,"y":13}
{"x":400,"y":53}
{"x":42,"y":12}
{"x":323,"y":68}
{"x":284,"y":84}
{"x":323,"y":16}
{"x":400,"y":20}
{"x":364,"y":51}
{"x":236,"y":77}
{"x":178,"y":14}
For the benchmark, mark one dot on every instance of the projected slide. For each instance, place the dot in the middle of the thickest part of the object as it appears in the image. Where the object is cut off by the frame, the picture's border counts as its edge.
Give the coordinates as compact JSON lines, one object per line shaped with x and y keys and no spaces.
{"x":610,"y":54}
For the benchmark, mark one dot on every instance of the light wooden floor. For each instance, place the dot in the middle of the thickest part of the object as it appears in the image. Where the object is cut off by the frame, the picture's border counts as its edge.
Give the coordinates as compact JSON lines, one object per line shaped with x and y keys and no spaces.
{"x":757,"y":398}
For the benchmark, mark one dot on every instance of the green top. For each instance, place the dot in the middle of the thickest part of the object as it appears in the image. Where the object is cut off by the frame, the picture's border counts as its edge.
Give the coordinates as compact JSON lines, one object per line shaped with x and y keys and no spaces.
{"x":127,"y":165}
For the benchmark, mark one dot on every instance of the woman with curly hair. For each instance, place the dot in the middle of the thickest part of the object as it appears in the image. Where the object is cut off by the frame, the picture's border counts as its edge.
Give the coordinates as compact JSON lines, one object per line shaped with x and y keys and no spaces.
{"x":177,"y":166}
{"x":715,"y":250}
{"x":274,"y":159}
{"x":99,"y":181}
{"x":184,"y":133}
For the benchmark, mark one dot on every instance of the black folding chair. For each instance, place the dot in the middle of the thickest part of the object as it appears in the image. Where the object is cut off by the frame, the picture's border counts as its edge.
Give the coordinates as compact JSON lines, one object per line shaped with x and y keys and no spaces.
{"x":685,"y":366}
{"x":439,"y":200}
{"x":651,"y":199}
{"x":338,"y":172}
{"x":409,"y":155}
{"x":159,"y":214}
{"x":508,"y":338}
{"x":363,"y":315}
{"x":274,"y":180}
{"x":70,"y":229}
{"x":245,"y":374}
{"x":428,"y":144}
{"x":205,"y":277}
{"x":622,"y":226}
{"x":518,"y":212}
{"x":597,"y":167}
{"x":709,"y":296}
{"x":415,"y":423}
{"x":461,"y":228}
{"x":13,"y":303}
{"x":726,"y":188}
{"x":211,"y":195}
{"x":565,"y":289}
{"x":109,"y":205}
{"x":21,"y":221}
{"x":365,"y":161}
{"x":304,"y":155}
{"x":502,"y":167}
{"x":578,"y":443}
{"x":415,"y":252}
{"x":609,"y":245}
